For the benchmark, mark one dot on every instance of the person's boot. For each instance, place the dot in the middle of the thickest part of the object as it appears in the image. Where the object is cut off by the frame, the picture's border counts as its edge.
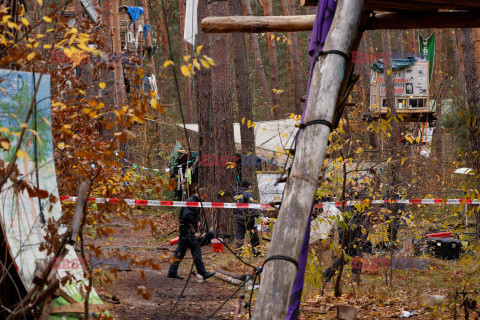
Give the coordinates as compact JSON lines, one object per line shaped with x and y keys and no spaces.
{"x":328,"y":274}
{"x":207,"y":275}
{"x":174,"y":276}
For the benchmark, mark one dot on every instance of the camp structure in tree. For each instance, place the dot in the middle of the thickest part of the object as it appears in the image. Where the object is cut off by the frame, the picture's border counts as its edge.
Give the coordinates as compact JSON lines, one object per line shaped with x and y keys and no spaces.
{"x":331,"y":79}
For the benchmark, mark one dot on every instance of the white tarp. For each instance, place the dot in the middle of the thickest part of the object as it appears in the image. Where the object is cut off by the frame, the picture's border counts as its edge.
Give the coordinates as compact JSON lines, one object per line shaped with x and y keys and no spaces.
{"x":464,"y":171}
{"x":271,"y":137}
{"x":191,"y":28}
{"x":324,"y":223}
{"x":269,"y":192}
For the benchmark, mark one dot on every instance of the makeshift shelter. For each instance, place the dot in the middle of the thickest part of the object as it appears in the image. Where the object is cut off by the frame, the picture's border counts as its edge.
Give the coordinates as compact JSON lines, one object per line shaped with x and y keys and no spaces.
{"x":337,"y":30}
{"x":272,"y":138}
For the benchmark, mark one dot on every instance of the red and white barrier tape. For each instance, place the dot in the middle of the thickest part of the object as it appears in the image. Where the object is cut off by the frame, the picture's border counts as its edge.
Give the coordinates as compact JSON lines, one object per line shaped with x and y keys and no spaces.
{"x":263,"y":206}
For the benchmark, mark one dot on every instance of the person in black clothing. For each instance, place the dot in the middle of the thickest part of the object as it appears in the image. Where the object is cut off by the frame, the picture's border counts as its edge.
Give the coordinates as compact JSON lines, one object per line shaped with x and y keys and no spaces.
{"x":245,"y":218}
{"x":189,"y":222}
{"x":392,"y":216}
{"x":355,"y":235}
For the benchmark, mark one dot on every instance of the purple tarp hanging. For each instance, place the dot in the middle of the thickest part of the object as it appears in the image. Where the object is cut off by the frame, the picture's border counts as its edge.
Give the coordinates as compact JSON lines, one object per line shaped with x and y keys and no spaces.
{"x":321,"y":27}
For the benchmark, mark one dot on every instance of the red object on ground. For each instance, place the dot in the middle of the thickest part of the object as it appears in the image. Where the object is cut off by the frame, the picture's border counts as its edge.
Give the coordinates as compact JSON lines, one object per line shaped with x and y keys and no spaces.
{"x":439,"y":235}
{"x":217,"y":245}
{"x":173,"y":241}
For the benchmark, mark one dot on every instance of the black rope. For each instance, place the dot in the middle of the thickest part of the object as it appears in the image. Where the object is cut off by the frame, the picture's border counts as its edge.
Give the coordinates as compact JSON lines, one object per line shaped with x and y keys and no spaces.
{"x":324,"y":53}
{"x":181,"y":293}
{"x":280,"y":257}
{"x":293,"y":146}
{"x":228,"y":299}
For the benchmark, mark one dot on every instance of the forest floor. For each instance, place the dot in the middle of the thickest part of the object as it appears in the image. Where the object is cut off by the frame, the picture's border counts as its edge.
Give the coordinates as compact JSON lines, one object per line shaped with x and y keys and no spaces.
{"x":373,"y":297}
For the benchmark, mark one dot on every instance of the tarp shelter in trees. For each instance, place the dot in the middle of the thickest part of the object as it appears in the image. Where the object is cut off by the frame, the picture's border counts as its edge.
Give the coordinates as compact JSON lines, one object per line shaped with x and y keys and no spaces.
{"x":272,"y":138}
{"x":411,"y":84}
{"x":22,"y":218}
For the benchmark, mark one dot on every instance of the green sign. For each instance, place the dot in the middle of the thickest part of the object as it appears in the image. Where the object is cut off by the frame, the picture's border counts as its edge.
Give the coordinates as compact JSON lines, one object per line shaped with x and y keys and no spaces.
{"x":427,"y":51}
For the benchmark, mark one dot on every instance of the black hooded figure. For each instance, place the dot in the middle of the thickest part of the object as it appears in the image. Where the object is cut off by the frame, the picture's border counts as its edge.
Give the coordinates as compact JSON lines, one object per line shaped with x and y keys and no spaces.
{"x":245,"y":218}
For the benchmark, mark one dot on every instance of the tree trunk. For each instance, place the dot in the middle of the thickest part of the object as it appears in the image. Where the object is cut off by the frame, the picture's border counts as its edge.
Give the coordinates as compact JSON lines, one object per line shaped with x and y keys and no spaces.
{"x":472,"y":86}
{"x":412,"y":46}
{"x":476,"y":34}
{"x":399,"y":42}
{"x":117,"y":51}
{"x":365,"y":74}
{"x":272,"y":55}
{"x":203,"y":90}
{"x":148,"y":39}
{"x":439,"y":89}
{"x":86,"y":70}
{"x":288,"y":7}
{"x":279,"y":275}
{"x":249,"y":171}
{"x":188,"y":84}
{"x":458,"y":60}
{"x":390,"y":102}
{"x":259,"y":69}
{"x":161,"y":27}
{"x":108,"y":94}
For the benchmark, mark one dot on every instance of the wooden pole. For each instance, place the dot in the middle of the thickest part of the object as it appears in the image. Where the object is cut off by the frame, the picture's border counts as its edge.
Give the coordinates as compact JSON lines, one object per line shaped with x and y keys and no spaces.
{"x":278,"y":275}
{"x":117,"y":50}
{"x":386,"y":20}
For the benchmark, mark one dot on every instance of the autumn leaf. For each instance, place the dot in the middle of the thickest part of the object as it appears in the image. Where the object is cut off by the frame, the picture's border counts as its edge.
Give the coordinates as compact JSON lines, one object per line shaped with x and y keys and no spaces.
{"x":31,"y":56}
{"x":168,"y":63}
{"x":5,"y":145}
{"x":47,"y":19}
{"x":102,"y":85}
{"x":22,"y":154}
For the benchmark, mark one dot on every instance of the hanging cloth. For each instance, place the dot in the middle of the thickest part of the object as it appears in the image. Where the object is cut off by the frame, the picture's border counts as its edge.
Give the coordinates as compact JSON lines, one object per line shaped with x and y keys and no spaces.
{"x":135,"y":13}
{"x":145,"y":29}
{"x":191,"y":26}
{"x":323,"y":22}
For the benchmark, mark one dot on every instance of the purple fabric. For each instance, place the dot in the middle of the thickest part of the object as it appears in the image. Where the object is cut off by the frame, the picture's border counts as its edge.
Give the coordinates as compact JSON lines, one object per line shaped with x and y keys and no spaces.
{"x":321,"y":27}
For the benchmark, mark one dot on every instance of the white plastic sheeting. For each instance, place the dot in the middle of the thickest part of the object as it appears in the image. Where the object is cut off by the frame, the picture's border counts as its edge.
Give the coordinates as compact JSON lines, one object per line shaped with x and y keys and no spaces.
{"x":324,"y":223}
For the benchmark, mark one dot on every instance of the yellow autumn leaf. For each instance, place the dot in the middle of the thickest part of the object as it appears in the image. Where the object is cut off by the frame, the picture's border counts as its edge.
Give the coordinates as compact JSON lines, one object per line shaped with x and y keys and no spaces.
{"x":196,"y":64}
{"x":184,"y":70}
{"x":153,"y":103}
{"x":3,"y":129}
{"x":168,"y":63}
{"x":86,"y":110}
{"x":5,"y":145}
{"x":210,"y":60}
{"x":31,"y":56}
{"x":25,"y":22}
{"x":40,"y":2}
{"x":243,"y":120}
{"x":47,"y":46}
{"x":21,"y":154}
{"x":205,"y":64}
{"x":102,"y":85}
{"x":138,"y":119}
{"x":199,"y":48}
{"x":186,"y":58}
{"x":47,"y":19}
{"x":389,"y":159}
{"x":61,"y":145}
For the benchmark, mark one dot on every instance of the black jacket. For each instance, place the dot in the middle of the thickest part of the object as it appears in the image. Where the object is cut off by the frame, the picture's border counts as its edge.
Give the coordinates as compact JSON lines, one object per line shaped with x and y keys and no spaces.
{"x":244,"y":196}
{"x":190,"y":216}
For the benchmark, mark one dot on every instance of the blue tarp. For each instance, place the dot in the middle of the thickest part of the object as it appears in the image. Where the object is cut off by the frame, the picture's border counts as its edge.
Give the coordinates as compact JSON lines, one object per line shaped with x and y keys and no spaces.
{"x":145,"y":29}
{"x":397,"y":64}
{"x":135,"y":13}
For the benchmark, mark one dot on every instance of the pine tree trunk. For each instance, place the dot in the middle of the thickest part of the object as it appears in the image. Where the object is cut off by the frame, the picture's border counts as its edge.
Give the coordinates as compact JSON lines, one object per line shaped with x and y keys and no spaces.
{"x":117,"y":51}
{"x":188,"y":84}
{"x":259,"y":69}
{"x":288,"y":7}
{"x":399,"y":42}
{"x":365,"y":74}
{"x":390,"y":102}
{"x":243,"y":99}
{"x":162,"y":28}
{"x":439,"y":89}
{"x":472,"y":86}
{"x":148,"y":38}
{"x":203,"y":90}
{"x":108,"y":94}
{"x":272,"y":55}
{"x":86,"y":70}
{"x":458,"y":60}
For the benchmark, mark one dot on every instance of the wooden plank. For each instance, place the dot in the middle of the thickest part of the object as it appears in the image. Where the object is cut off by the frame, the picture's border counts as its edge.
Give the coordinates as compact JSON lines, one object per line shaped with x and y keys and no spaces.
{"x":278,"y":275}
{"x":386,"y":20}
{"x":62,"y":293}
{"x":79,"y":307}
{"x":411,"y":5}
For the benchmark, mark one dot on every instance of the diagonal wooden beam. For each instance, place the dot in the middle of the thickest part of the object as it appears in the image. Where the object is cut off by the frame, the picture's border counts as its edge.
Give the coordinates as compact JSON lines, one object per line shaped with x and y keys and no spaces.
{"x":385,"y":20}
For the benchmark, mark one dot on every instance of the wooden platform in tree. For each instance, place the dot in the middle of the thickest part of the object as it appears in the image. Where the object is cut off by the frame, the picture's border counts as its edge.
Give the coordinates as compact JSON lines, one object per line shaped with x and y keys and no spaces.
{"x":408,"y":115}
